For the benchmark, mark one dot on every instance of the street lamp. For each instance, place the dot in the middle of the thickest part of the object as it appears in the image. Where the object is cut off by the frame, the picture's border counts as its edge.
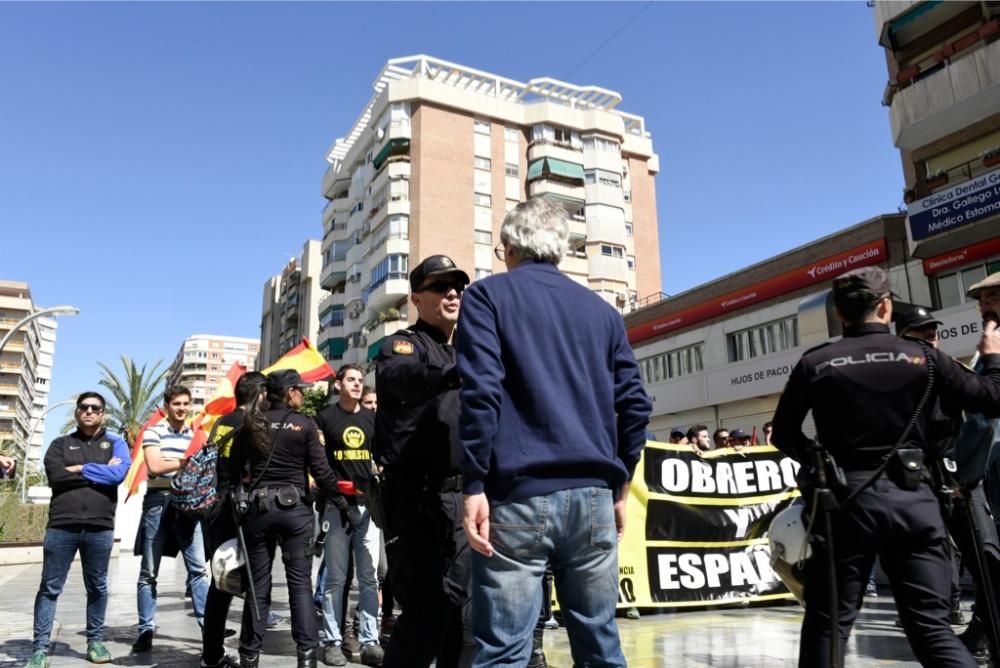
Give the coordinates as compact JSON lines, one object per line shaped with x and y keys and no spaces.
{"x":52,"y":310}
{"x":27,"y":446}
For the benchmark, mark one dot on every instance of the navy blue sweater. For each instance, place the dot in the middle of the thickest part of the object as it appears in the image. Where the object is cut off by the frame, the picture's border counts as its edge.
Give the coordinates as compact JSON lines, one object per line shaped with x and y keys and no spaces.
{"x":551,"y":393}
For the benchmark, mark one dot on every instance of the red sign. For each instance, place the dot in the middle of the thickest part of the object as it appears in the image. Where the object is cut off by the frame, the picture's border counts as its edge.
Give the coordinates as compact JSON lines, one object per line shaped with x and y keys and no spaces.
{"x":818,"y":272}
{"x":960,"y":256}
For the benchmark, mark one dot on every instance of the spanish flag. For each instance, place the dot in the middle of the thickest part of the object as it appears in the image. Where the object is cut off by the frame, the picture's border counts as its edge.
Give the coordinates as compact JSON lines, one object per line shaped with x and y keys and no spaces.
{"x":221,"y":403}
{"x":138,"y":472}
{"x":305,"y":359}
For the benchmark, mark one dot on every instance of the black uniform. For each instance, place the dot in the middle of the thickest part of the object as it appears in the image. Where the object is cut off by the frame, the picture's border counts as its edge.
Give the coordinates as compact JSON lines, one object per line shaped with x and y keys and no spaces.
{"x":217,"y":531}
{"x":279,"y":514}
{"x":416,"y":440}
{"x":862,"y":391}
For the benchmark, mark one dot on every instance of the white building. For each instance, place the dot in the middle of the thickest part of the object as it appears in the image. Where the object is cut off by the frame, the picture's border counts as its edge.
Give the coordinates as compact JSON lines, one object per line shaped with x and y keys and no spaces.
{"x":204,"y":359}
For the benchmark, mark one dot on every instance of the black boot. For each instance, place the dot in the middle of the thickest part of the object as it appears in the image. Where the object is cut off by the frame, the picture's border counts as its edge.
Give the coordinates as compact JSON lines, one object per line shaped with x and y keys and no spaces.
{"x":249,"y":660}
{"x":974,"y":638}
{"x":307,"y":658}
{"x":537,"y":658}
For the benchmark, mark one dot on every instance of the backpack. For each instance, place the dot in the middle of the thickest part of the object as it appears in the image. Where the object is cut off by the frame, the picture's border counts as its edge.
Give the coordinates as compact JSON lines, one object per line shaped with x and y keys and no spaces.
{"x":194,"y":491}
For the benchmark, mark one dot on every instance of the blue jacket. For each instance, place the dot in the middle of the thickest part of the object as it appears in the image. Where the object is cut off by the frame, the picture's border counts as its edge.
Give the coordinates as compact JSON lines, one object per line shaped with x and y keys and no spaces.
{"x":90,"y":496}
{"x":551,"y":393}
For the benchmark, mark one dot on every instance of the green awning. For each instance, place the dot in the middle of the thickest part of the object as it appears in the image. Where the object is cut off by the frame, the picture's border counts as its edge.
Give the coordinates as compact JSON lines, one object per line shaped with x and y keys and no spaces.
{"x":915,"y":13}
{"x":535,"y":169}
{"x":374,"y":348}
{"x":569,"y":170}
{"x":393,"y":146}
{"x":334,"y":348}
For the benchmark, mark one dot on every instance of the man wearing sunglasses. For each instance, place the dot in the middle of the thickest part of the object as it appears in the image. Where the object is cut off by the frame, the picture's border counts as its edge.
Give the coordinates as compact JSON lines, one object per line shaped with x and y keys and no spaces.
{"x":553,"y":422}
{"x":417,"y":444}
{"x":84,"y":470}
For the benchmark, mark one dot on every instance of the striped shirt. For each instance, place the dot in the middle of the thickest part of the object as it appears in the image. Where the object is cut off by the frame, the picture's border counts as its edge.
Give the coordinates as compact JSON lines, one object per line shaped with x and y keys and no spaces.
{"x":172,"y":444}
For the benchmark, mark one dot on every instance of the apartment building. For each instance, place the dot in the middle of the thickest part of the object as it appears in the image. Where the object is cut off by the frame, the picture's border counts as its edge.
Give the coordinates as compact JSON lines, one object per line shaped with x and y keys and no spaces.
{"x":25,"y":369}
{"x":204,"y":359}
{"x":434,"y":161}
{"x":290,"y":308}
{"x":943,"y":96}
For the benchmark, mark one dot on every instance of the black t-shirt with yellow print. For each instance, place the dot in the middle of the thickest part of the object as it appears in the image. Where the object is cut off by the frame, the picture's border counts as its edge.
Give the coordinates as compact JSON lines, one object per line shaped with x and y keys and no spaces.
{"x":348,"y":439}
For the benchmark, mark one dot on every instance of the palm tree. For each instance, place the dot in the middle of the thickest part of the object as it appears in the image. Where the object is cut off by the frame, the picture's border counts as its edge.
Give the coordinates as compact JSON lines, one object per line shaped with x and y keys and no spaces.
{"x":134,"y":395}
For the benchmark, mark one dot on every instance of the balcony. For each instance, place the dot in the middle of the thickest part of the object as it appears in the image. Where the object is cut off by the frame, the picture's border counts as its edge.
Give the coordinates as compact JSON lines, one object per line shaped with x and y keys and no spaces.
{"x":394,"y":148}
{"x":605,"y":193}
{"x":388,"y":293}
{"x":387,"y":328}
{"x":573,"y":264}
{"x":398,"y":169}
{"x":607,"y":230}
{"x":385,"y":245}
{"x":333,"y":183}
{"x":395,"y":205}
{"x":556,"y":190}
{"x":603,"y":267}
{"x":397,"y":131}
{"x":333,"y":274}
{"x":960,"y":92}
{"x":546,"y":149}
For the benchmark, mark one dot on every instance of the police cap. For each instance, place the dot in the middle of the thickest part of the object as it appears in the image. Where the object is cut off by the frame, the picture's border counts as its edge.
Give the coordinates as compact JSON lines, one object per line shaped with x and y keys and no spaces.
{"x":867,"y":284}
{"x":991,"y":281}
{"x":910,"y":316}
{"x":435,"y":265}
{"x":281,"y":380}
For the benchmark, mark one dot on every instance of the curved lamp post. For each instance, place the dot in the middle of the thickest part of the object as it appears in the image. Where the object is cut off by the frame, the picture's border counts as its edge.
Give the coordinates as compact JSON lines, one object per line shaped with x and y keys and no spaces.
{"x":31,"y":434}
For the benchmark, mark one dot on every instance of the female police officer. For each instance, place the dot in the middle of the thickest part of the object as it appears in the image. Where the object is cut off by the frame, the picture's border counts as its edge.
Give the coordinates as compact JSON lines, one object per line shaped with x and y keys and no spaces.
{"x":275,"y":451}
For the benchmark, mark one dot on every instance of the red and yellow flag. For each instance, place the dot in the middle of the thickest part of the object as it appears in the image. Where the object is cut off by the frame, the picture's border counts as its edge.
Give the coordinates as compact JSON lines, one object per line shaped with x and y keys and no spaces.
{"x":221,"y":403}
{"x":138,"y":472}
{"x":305,"y":359}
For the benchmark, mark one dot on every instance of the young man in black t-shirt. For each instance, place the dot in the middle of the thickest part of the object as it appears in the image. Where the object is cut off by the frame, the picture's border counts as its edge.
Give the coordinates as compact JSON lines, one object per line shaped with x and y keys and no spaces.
{"x":348,"y":431}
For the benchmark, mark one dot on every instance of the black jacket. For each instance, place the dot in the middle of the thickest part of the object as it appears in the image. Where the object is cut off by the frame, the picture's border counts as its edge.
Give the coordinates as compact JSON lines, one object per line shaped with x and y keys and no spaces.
{"x":91,"y":496}
{"x":864,"y":388}
{"x":416,"y":424}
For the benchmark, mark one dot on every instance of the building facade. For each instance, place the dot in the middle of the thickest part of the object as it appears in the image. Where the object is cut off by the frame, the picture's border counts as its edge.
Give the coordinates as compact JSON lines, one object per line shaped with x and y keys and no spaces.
{"x":25,"y":370}
{"x":720,"y":354}
{"x":290,"y":308}
{"x":203,"y":361}
{"x":438,"y":156}
{"x":943,"y":96}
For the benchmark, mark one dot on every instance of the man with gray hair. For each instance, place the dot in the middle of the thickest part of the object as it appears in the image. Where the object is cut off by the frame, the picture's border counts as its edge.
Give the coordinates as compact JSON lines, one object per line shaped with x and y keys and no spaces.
{"x":553,"y":422}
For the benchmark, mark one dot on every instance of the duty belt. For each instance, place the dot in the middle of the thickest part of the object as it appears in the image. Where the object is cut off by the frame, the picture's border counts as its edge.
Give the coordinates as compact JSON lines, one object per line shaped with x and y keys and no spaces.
{"x":424,"y":482}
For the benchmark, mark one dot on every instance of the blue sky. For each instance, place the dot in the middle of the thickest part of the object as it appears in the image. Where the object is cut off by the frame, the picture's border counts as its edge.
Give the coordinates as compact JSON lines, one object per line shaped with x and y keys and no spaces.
{"x":159,"y":161}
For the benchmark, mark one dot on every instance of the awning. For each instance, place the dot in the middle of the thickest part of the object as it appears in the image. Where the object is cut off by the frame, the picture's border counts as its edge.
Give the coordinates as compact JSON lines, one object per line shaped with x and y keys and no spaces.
{"x":393,"y":146}
{"x":374,"y":348}
{"x":535,"y":169}
{"x":569,"y":170}
{"x":334,"y":348}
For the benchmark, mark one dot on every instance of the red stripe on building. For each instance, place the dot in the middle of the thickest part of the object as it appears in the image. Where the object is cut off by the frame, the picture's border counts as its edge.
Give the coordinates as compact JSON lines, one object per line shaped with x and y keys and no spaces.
{"x":960,"y":256}
{"x":817,"y":272}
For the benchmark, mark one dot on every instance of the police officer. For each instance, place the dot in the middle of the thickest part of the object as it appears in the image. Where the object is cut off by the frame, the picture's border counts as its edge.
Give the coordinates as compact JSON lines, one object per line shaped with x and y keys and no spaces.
{"x":863,"y":391}
{"x":273,"y":454}
{"x":222,"y":527}
{"x":416,"y":440}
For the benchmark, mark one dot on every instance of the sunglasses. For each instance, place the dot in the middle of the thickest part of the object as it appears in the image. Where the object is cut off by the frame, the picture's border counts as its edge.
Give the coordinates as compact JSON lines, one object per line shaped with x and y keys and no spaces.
{"x":443,"y":287}
{"x":90,"y":408}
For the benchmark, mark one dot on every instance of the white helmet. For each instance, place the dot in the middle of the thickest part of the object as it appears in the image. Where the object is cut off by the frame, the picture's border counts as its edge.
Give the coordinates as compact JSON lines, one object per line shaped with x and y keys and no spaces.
{"x":227,"y":568}
{"x":789,"y":540}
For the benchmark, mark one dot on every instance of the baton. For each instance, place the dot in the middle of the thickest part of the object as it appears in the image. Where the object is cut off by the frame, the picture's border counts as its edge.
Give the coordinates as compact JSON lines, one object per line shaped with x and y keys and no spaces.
{"x":827,"y":502}
{"x":986,"y":584}
{"x":246,"y":562}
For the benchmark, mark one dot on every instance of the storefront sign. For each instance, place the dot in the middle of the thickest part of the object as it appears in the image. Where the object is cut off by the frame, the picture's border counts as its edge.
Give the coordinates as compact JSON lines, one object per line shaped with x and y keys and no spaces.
{"x":818,"y":272}
{"x":964,"y":203}
{"x":960,"y":330}
{"x":961,"y":256}
{"x":755,"y":378}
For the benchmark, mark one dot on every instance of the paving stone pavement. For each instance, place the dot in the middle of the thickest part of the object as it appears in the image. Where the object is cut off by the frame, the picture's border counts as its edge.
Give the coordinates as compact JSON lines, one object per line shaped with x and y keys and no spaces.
{"x":733,"y":638}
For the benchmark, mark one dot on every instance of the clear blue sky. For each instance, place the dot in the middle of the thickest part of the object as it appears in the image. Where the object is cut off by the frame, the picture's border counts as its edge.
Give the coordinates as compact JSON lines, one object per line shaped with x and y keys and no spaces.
{"x":159,"y":161}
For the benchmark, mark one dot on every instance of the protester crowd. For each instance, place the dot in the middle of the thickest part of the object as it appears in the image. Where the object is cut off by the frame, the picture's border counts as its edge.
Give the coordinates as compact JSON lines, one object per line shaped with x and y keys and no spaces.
{"x":471,"y":482}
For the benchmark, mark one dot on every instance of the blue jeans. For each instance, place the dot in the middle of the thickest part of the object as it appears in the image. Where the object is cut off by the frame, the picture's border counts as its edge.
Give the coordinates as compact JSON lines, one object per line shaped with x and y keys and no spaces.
{"x":60,"y":547}
{"x":364,"y":542}
{"x":572,"y":530}
{"x":154,"y":537}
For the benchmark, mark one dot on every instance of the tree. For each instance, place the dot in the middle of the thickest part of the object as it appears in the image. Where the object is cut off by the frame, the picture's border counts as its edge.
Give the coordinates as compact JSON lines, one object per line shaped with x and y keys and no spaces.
{"x":134,"y":395}
{"x":315,"y":401}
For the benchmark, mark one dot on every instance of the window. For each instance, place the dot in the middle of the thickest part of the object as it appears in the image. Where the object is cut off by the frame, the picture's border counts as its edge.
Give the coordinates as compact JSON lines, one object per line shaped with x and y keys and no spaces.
{"x":771,"y":337}
{"x":482,"y":127}
{"x":590,"y":177}
{"x":483,"y":273}
{"x":605,"y":178}
{"x":482,"y":163}
{"x":511,"y":134}
{"x":628,"y":229}
{"x":612,"y":251}
{"x":672,"y":364}
{"x":392,"y":267}
{"x":949,"y":289}
{"x":484,"y":237}
{"x":511,"y":169}
{"x":631,"y":261}
{"x":483,"y":200}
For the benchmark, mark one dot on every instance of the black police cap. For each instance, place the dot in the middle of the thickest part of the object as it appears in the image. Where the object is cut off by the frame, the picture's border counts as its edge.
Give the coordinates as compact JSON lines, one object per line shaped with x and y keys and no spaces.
{"x":435,"y":265}
{"x":279,"y":381}
{"x":911,"y":316}
{"x":865,"y":284}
